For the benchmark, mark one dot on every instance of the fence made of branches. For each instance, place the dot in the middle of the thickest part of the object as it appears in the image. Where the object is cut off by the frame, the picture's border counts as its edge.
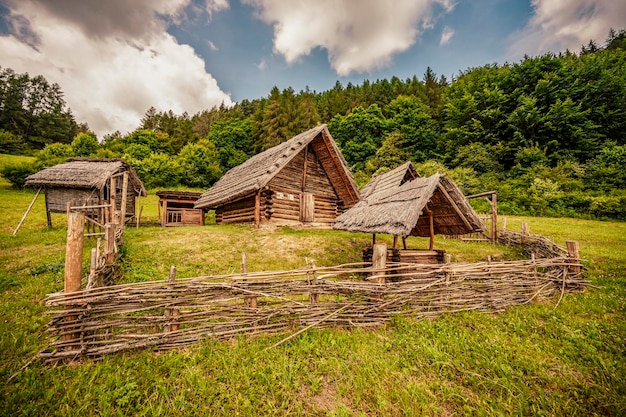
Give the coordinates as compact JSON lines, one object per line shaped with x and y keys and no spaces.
{"x":171,"y":313}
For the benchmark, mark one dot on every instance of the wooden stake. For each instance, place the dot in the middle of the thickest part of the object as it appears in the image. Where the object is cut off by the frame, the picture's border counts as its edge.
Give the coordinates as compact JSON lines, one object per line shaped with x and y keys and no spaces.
{"x":48,"y":216}
{"x":109,"y":243}
{"x":431,"y":227}
{"x":395,"y":241}
{"x":379,"y":261}
{"x":74,"y":258}
{"x":124,"y":198}
{"x":314,"y":296}
{"x":172,"y":312}
{"x":503,"y":223}
{"x":494,"y":218}
{"x":574,"y":255}
{"x":27,"y":211}
{"x":257,"y":209}
{"x":248,"y":300}
{"x":93,"y":265}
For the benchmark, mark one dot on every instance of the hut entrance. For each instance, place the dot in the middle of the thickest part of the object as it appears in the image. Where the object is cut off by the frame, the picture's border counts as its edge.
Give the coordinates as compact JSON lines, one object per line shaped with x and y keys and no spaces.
{"x":307,"y":208}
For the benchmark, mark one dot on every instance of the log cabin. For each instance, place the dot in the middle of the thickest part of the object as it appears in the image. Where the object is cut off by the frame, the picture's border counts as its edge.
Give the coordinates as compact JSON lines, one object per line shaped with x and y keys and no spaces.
{"x":303,"y":181}
{"x":88,"y":181}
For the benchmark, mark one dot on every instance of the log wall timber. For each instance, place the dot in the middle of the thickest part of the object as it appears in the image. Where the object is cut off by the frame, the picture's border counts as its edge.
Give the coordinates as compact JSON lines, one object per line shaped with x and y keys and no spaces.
{"x":241,"y":211}
{"x":57,"y":198}
{"x":284,"y":200}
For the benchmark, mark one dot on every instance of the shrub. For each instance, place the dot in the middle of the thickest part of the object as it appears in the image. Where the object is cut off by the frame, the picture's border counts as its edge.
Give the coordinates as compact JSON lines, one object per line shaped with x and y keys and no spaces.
{"x":16,"y":173}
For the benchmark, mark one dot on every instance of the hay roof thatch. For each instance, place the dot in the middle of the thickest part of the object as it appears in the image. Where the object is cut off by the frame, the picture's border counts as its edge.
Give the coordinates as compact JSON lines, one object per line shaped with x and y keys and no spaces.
{"x":401,"y":210}
{"x":254,"y":174}
{"x":391,"y":179}
{"x":89,"y":173}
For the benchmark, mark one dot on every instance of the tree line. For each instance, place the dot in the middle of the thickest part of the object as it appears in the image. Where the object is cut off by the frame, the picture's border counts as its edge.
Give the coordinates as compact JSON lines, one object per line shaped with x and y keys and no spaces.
{"x":548,"y":132}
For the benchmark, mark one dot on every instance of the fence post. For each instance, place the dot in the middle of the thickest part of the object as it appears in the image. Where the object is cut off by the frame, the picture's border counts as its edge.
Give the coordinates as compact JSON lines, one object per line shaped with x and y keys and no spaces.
{"x":525,"y":232}
{"x":573,"y":255}
{"x":248,"y":300}
{"x":73,"y":258}
{"x":379,"y":261}
{"x":172,"y":313}
{"x":314,"y":296}
{"x":109,"y":243}
{"x":494,"y":218}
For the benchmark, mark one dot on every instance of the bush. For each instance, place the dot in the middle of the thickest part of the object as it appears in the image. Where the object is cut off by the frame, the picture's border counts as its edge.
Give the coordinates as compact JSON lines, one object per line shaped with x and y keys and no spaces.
{"x":16,"y":173}
{"x":12,"y":144}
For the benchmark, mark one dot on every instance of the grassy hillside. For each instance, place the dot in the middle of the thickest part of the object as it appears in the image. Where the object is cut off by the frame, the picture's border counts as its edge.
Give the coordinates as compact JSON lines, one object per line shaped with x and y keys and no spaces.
{"x":532,"y":359}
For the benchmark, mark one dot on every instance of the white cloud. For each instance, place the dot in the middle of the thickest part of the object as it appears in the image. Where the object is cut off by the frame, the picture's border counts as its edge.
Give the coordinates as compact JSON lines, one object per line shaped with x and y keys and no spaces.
{"x":359,"y":35}
{"x":113,"y":71}
{"x":557,"y":25}
{"x":446,"y":35}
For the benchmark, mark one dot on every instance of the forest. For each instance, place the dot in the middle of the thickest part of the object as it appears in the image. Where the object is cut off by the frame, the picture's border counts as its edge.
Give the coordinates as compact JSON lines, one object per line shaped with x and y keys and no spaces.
{"x":547,"y":132}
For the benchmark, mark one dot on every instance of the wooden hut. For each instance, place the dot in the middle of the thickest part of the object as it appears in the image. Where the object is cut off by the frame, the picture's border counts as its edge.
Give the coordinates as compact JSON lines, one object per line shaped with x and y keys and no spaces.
{"x":401,"y":204}
{"x":304,"y":180}
{"x":176,"y":208}
{"x":88,"y":181}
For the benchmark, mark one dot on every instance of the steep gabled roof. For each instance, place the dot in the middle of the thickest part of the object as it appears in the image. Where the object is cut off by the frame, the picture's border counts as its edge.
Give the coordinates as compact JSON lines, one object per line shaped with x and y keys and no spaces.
{"x":87,"y":173}
{"x":254,"y":174}
{"x":400,"y":210}
{"x":391,"y":179}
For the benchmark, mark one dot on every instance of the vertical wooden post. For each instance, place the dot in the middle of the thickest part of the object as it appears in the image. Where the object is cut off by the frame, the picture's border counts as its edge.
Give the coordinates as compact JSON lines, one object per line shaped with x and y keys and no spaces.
{"x":494,"y":218}
{"x":431,"y":226}
{"x":172,"y":313}
{"x":503,"y":224}
{"x":373,"y":239}
{"x":248,"y":300}
{"x":93,"y":265}
{"x":379,"y":261}
{"x":257,"y":209}
{"x":573,"y":255}
{"x":109,"y":243}
{"x":48,"y":217}
{"x":525,"y":232}
{"x":404,"y":242}
{"x":314,"y":296}
{"x":395,"y":241}
{"x":113,"y":194}
{"x":124,"y":199}
{"x":74,"y":258}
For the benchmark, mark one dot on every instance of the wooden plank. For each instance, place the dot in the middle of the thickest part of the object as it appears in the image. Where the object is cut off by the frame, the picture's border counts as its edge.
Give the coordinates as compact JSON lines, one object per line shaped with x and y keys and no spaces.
{"x":307,"y":211}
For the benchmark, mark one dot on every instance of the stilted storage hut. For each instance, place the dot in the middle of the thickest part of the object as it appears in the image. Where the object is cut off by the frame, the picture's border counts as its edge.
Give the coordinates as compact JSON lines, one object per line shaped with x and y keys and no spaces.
{"x":401,"y":204}
{"x":304,"y":180}
{"x":176,"y":208}
{"x":88,"y":181}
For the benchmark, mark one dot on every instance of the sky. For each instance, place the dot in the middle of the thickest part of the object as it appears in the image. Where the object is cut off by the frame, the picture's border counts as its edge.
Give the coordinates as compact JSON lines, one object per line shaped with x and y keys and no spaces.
{"x":115,"y":59}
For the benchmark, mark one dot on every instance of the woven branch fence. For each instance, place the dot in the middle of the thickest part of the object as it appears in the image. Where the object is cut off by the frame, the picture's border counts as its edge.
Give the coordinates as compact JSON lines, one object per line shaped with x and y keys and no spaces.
{"x":171,"y":313}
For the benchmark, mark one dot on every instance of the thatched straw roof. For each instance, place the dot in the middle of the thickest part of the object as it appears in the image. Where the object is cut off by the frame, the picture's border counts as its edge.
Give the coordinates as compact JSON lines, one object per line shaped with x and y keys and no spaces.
{"x":254,"y":174}
{"x":401,"y":210}
{"x":89,"y":173}
{"x":391,"y":179}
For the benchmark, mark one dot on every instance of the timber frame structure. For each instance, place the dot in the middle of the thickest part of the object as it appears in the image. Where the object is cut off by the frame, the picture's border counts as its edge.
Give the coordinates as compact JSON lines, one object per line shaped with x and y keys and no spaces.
{"x":89,"y":182}
{"x":176,"y":208}
{"x":303,"y":181}
{"x":401,"y":203}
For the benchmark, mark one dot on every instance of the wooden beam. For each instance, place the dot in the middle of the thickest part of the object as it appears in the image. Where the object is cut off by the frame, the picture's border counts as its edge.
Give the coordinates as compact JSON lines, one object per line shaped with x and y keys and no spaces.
{"x":48,"y":216}
{"x":124,"y":197}
{"x":487,"y":193}
{"x":306,"y":157}
{"x":454,"y":206}
{"x":32,"y":203}
{"x":257,"y":209}
{"x":338,"y":167}
{"x":431,"y":226}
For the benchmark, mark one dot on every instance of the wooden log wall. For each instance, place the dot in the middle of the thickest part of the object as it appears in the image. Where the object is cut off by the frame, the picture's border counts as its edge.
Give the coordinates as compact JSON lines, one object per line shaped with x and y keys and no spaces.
{"x":287,"y":191}
{"x":241,"y":211}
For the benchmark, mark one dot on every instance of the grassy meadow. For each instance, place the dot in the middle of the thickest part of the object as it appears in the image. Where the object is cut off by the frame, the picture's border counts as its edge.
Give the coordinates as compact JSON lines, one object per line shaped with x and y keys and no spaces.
{"x":529,"y":360}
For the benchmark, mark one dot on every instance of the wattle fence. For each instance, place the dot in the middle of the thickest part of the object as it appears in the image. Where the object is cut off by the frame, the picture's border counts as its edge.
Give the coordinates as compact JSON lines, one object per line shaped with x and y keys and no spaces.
{"x":171,"y":313}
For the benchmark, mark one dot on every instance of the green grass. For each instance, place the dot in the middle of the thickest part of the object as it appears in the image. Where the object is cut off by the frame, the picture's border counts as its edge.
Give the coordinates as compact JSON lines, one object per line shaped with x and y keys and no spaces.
{"x":529,"y":360}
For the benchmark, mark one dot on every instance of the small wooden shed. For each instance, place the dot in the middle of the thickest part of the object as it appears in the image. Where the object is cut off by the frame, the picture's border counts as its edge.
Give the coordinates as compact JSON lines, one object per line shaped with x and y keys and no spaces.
{"x":304,"y":180}
{"x":87,"y":181}
{"x":176,"y":208}
{"x":400,"y":203}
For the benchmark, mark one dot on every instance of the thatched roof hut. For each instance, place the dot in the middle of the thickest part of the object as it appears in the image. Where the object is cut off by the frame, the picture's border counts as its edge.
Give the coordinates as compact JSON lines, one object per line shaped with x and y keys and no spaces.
{"x":416,"y":207}
{"x":303,"y":180}
{"x":86,"y":181}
